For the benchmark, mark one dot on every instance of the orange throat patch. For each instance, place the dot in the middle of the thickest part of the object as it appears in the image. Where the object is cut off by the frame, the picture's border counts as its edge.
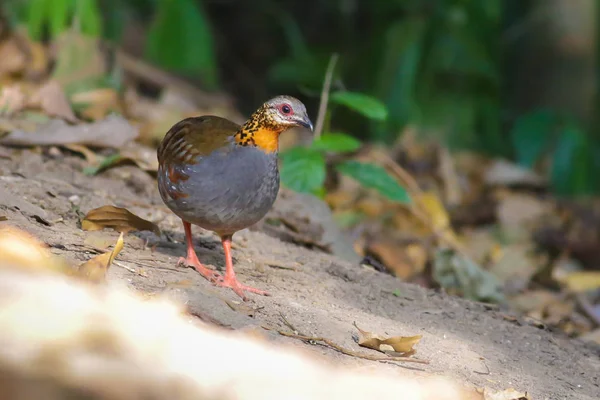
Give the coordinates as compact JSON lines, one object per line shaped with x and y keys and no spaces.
{"x":265,"y":138}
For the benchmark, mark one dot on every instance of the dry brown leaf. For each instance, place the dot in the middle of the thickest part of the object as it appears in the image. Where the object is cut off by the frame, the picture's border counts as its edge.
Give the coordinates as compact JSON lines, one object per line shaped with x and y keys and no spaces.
{"x":12,"y":100}
{"x":508,"y":394}
{"x":114,"y":131}
{"x":397,"y":344}
{"x":3,"y":218}
{"x":51,"y":99}
{"x":95,"y":269}
{"x":117,"y":218}
{"x":506,"y":173}
{"x":97,"y":103}
{"x":403,"y":261}
{"x":89,"y":155}
{"x":431,"y":204}
{"x":99,"y":240}
{"x":13,"y":58}
{"x":582,"y":281}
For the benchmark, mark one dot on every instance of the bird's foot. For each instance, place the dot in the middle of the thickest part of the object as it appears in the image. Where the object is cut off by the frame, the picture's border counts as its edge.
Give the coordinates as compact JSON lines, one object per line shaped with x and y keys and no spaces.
{"x":209,"y":274}
{"x":239,"y":288}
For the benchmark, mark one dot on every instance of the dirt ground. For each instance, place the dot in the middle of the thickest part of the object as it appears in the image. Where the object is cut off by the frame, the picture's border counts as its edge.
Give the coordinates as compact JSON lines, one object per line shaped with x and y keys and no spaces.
{"x":319,"y":294}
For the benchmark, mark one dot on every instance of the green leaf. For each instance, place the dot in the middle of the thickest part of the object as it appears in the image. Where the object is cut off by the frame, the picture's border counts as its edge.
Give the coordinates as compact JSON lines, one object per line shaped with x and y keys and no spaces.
{"x":60,"y":11}
{"x":572,"y":163}
{"x":368,"y":106}
{"x":336,"y":143}
{"x":398,"y":76}
{"x":375,"y":177}
{"x":90,"y":17}
{"x":36,"y":15}
{"x":105,"y":163}
{"x":303,"y":170}
{"x":180,"y":39}
{"x":531,"y":135}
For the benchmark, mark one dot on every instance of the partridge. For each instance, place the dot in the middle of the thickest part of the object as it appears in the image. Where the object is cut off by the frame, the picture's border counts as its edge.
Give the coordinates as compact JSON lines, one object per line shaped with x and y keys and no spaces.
{"x":224,"y":177}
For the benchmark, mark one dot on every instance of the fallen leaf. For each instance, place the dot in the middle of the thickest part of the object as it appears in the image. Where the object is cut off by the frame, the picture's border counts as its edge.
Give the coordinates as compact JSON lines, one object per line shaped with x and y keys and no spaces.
{"x":113,"y":131}
{"x":582,"y":281}
{"x":96,"y":103}
{"x":13,"y":58}
{"x":95,"y":269}
{"x":141,"y":156}
{"x":99,"y":240}
{"x":12,"y":100}
{"x":505,"y":173}
{"x":89,"y":155}
{"x":517,"y":213}
{"x":51,"y":99}
{"x":397,"y":344}
{"x":3,"y":218}
{"x":37,"y":57}
{"x":508,"y":394}
{"x":431,"y":204}
{"x":119,"y":219}
{"x":404,"y":261}
{"x":459,"y":274}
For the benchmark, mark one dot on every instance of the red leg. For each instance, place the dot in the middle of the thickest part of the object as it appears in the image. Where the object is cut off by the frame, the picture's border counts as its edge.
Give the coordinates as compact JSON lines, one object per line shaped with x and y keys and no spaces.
{"x":230,"y":280}
{"x":192,"y":258}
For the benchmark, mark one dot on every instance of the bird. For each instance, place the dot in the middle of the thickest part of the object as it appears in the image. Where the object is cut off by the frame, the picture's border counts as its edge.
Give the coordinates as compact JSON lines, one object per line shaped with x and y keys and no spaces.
{"x":224,"y":177}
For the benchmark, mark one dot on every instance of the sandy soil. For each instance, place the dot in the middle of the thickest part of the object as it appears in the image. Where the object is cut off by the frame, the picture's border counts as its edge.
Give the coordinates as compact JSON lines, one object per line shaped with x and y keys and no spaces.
{"x":320,"y":294}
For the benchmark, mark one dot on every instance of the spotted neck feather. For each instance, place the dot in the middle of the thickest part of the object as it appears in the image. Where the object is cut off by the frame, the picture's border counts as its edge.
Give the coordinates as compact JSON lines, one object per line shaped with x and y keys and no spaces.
{"x":261,"y":131}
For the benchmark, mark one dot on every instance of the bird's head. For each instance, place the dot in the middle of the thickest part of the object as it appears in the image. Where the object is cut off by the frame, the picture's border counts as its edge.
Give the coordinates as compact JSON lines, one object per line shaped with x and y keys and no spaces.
{"x":270,"y":120}
{"x":287,"y":112}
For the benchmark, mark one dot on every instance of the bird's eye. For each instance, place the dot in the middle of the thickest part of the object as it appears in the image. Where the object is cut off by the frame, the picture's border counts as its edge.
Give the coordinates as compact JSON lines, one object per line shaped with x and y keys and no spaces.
{"x":286,"y":109}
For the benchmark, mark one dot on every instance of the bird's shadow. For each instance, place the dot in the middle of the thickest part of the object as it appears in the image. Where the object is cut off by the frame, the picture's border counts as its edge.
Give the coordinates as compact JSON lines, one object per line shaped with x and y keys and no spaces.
{"x":173,"y":244}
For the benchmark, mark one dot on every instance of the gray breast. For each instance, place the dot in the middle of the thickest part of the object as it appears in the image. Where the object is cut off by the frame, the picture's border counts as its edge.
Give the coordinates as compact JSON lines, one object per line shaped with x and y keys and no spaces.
{"x":226,"y":192}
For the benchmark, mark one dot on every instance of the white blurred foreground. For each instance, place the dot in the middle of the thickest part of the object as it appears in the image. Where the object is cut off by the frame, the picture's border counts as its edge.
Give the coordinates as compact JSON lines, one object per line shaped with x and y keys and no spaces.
{"x":62,"y":338}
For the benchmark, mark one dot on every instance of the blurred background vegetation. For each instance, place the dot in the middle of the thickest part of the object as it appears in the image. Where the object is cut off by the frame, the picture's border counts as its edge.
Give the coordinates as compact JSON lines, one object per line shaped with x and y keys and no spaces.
{"x":510,"y":78}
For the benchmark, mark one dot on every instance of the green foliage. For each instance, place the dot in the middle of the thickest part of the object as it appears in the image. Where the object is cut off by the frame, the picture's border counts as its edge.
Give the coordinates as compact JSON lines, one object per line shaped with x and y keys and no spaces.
{"x":375,"y":177}
{"x":56,"y":16}
{"x":571,"y":150}
{"x":530,"y":136}
{"x":180,"y":39}
{"x":572,"y":162}
{"x":368,"y":106}
{"x":336,"y":143}
{"x":303,"y":170}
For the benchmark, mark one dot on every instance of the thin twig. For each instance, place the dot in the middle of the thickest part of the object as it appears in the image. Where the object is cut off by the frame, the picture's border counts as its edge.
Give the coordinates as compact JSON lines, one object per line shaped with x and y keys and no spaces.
{"x":118,"y":264}
{"x":351,"y":353}
{"x":288,"y":323}
{"x":325,"y":95}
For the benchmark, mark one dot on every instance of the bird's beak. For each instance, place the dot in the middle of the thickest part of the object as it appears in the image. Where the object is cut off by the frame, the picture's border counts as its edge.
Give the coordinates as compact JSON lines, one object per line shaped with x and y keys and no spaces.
{"x":305,"y":122}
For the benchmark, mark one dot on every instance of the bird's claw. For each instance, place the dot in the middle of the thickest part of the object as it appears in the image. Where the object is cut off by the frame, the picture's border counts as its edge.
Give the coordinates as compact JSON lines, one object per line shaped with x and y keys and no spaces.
{"x":209,"y":274}
{"x":239,"y":288}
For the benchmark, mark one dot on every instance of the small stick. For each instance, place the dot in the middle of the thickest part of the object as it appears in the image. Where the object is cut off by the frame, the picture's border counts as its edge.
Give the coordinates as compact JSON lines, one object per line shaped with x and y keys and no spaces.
{"x":325,"y":95}
{"x":288,"y":323}
{"x":351,"y":353}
